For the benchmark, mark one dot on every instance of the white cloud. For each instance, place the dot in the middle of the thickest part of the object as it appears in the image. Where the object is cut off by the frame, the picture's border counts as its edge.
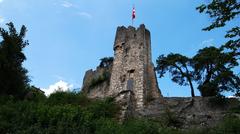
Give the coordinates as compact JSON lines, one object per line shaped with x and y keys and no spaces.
{"x":85,"y":14}
{"x":58,"y":86}
{"x":1,"y":19}
{"x":67,"y":4}
{"x":207,"y":42}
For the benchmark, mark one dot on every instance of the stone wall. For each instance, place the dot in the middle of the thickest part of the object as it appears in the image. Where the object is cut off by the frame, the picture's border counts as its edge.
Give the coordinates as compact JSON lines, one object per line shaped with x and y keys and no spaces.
{"x":133,"y":80}
{"x":190,"y":112}
{"x":133,"y":70}
{"x":96,"y":82}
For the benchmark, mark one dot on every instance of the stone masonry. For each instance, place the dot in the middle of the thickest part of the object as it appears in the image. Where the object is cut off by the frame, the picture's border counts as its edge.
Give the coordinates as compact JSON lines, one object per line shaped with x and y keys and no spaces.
{"x":133,"y":72}
{"x":132,"y":78}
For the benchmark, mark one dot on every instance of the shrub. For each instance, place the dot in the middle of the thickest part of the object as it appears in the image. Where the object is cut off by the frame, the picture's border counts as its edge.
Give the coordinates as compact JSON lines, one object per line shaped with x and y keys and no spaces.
{"x":230,"y":125}
{"x":170,"y":119}
{"x":218,"y":101}
{"x":54,"y":117}
{"x":62,"y":98}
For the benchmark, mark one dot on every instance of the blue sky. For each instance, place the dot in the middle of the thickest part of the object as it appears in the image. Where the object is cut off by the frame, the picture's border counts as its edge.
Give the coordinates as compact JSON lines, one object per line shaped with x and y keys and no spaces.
{"x":68,"y":37}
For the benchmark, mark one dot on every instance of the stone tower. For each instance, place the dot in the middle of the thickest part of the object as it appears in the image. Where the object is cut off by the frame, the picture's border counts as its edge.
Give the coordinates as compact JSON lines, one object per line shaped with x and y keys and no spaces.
{"x":133,"y":76}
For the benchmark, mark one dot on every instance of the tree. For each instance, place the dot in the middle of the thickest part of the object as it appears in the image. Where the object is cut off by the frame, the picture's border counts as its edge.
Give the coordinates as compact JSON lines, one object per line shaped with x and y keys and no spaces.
{"x":178,"y":66}
{"x":213,"y":71}
{"x":13,"y":76}
{"x":223,"y":11}
{"x":106,"y":62}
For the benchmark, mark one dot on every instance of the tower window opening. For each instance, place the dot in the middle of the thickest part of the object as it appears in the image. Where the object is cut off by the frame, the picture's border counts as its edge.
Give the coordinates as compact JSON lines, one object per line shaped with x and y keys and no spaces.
{"x":131,"y":71}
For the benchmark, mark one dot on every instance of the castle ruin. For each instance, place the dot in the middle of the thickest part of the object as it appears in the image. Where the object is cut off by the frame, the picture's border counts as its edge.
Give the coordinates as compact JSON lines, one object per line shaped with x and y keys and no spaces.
{"x":132,"y":78}
{"x":133,"y":71}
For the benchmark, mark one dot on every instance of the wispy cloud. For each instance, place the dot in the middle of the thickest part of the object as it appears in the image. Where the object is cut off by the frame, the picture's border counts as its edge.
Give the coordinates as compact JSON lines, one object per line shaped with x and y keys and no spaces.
{"x":58,"y":77}
{"x":1,"y":1}
{"x":207,"y":42}
{"x":67,"y":4}
{"x":58,"y":86}
{"x":1,"y":19}
{"x":85,"y":14}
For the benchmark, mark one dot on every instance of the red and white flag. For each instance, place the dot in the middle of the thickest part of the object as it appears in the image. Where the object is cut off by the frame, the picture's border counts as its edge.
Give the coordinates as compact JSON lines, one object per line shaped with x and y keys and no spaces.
{"x":133,"y":13}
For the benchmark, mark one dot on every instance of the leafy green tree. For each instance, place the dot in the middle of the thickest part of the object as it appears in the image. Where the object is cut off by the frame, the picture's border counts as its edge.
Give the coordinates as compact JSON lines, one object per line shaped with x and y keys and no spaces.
{"x":13,"y":76}
{"x":213,"y":70}
{"x":221,"y":12}
{"x":178,"y":65}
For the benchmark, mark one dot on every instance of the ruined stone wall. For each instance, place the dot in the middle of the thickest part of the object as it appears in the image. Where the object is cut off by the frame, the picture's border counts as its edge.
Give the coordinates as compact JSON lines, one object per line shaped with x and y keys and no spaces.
{"x":96,"y":82}
{"x":133,"y":70}
{"x":188,"y":112}
{"x":133,"y":80}
{"x":133,"y":84}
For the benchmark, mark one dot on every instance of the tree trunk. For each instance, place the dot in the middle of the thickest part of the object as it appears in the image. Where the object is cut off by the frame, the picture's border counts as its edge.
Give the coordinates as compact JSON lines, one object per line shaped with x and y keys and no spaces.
{"x":190,"y":82}
{"x":191,"y":86}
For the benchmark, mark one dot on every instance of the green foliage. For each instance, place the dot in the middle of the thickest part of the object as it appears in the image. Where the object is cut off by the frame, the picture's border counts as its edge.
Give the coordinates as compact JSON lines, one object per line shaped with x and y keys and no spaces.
{"x":13,"y":77}
{"x":211,"y":68}
{"x":213,"y":71}
{"x":34,"y":94}
{"x":55,"y":117}
{"x":133,"y":126}
{"x":218,"y":101}
{"x":170,"y":119}
{"x":230,"y":125}
{"x":235,"y":109}
{"x":98,"y":116}
{"x":221,"y":12}
{"x":178,"y":66}
{"x":141,"y":126}
{"x":106,"y":62}
{"x":108,"y":126}
{"x":63,"y":98}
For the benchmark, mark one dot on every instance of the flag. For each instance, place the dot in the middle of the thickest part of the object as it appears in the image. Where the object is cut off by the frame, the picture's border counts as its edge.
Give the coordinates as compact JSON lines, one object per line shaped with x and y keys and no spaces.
{"x":133,"y":13}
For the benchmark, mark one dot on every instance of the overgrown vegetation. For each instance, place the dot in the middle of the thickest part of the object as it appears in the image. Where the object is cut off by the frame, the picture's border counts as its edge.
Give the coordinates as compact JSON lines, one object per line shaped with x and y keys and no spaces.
{"x":73,"y":113}
{"x":106,"y":62}
{"x":104,"y":77}
{"x":62,"y":112}
{"x":218,"y":101}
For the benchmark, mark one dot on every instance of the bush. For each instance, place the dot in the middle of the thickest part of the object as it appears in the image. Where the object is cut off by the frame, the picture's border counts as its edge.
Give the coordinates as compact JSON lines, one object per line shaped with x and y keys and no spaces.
{"x":170,"y":119}
{"x":35,"y":94}
{"x":230,"y":125}
{"x":71,"y":116}
{"x":51,"y":116}
{"x":218,"y":101}
{"x":63,"y":98}
{"x":108,"y":126}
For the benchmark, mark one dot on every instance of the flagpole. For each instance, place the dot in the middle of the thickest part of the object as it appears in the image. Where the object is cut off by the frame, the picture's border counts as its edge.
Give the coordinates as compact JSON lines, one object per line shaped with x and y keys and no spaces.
{"x":132,"y":22}
{"x":133,"y":14}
